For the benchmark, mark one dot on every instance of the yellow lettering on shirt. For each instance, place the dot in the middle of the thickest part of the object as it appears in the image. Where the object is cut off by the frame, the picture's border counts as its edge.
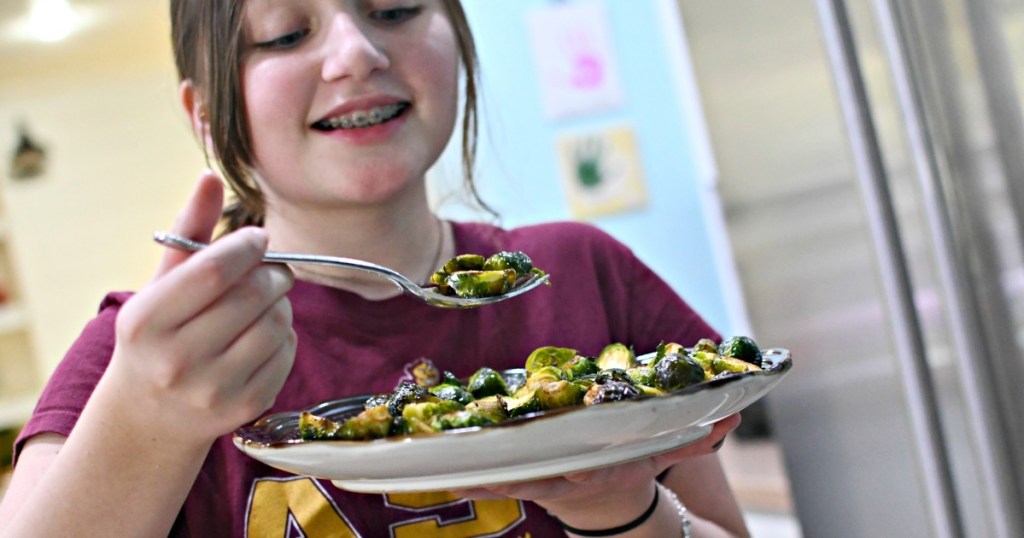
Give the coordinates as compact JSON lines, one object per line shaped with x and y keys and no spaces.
{"x":299,"y":505}
{"x":487,"y":518}
{"x":276,"y":504}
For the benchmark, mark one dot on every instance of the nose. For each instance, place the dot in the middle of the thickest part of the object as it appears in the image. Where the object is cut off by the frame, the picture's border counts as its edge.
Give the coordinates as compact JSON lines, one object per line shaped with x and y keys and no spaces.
{"x":351,"y":50}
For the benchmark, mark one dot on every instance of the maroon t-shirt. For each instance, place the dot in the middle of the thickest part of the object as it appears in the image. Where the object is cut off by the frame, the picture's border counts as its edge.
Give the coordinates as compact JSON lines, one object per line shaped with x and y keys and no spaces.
{"x":600,"y":293}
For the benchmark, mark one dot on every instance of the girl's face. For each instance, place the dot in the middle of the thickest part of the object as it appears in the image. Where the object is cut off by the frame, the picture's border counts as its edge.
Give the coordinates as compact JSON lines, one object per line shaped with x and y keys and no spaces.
{"x":348,"y":101}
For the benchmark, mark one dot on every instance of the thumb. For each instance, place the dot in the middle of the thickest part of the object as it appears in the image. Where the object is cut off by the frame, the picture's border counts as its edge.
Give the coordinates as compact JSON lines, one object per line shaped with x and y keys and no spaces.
{"x":197,"y":221}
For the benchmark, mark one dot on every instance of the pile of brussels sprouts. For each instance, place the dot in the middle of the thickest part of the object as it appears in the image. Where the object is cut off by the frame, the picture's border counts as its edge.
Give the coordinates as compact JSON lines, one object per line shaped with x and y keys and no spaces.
{"x":554,"y":377}
{"x":471,"y":276}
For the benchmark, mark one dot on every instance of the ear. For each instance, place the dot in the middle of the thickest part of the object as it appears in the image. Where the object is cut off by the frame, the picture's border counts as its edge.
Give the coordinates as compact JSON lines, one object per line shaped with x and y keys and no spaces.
{"x":196,"y":110}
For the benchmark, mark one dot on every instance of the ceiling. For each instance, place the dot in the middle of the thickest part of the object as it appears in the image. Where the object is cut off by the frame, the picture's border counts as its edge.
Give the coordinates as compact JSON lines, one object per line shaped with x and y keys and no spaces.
{"x":115,"y":34}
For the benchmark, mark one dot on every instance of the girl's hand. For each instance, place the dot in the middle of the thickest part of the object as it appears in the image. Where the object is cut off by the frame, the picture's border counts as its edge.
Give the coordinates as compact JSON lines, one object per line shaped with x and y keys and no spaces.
{"x":618,"y":493}
{"x":208,"y":343}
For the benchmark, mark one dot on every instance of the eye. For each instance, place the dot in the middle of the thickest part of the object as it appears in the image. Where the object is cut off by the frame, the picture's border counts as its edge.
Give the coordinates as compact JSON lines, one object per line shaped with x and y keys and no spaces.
{"x":395,"y":15}
{"x":286,"y":41}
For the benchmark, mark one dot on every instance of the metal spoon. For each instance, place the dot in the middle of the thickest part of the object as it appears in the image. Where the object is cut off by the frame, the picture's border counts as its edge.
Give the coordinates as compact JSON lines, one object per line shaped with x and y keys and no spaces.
{"x":425,"y":294}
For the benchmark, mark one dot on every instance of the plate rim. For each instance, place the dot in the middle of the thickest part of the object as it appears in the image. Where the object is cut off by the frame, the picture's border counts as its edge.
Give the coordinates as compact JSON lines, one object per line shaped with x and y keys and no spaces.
{"x":248,"y":436}
{"x":448,"y":481}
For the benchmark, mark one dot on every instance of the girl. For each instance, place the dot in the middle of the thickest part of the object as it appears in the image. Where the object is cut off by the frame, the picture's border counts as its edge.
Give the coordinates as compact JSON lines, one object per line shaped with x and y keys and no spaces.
{"x":324,"y":116}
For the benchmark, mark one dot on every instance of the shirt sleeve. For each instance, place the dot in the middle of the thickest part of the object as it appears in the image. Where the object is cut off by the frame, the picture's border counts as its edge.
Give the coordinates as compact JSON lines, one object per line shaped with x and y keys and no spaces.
{"x":655,"y":312}
{"x":75,"y":378}
{"x":641,"y":308}
{"x":660,"y":313}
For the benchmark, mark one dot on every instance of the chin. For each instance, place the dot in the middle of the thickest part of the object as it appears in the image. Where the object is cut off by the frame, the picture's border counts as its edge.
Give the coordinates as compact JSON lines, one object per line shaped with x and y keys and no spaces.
{"x":383,"y":184}
{"x":378,"y":193}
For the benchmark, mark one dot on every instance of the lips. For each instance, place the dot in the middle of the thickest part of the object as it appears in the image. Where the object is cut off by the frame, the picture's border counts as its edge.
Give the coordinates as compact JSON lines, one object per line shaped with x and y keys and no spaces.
{"x":367,"y":117}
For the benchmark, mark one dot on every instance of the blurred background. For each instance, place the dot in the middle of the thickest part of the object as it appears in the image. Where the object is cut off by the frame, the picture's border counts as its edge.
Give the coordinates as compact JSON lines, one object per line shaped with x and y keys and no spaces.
{"x":843,"y":179}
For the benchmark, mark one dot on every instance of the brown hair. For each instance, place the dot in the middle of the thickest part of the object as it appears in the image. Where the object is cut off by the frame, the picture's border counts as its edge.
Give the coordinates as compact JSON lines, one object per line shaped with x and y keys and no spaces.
{"x":207,"y":40}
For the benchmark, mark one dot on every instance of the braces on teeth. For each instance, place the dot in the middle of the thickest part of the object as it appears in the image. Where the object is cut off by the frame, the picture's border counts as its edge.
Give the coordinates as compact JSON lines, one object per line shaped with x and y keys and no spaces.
{"x":364,"y":118}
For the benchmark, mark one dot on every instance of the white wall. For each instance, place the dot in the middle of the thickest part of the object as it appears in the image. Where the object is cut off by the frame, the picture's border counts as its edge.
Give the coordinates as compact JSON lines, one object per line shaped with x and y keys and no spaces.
{"x":122,"y":161}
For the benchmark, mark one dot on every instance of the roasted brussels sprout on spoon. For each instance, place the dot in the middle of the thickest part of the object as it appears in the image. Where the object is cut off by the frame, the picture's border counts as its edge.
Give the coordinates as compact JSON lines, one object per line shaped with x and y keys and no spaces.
{"x":471,"y":276}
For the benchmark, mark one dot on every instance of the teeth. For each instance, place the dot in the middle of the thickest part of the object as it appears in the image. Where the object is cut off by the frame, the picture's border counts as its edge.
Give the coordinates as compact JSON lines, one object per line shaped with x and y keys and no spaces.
{"x":364,"y":118}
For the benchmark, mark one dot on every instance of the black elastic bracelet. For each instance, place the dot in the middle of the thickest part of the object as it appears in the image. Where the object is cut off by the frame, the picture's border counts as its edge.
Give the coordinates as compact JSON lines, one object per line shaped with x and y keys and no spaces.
{"x":621,"y":528}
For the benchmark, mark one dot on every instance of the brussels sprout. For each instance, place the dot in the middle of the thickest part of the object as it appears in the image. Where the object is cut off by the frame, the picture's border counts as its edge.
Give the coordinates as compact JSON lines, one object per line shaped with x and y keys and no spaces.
{"x":549,"y":356}
{"x":705,"y":359}
{"x":463,"y":262}
{"x":455,"y":393}
{"x":554,"y":377}
{"x":440,"y":279}
{"x":398,"y":427}
{"x":612,"y":374}
{"x":612,"y":391}
{"x":514,"y":379}
{"x":705,"y":344}
{"x":547,"y":374}
{"x":491,"y":407}
{"x":517,"y":261}
{"x":666,"y":349}
{"x":642,"y":375}
{"x":741,"y":347}
{"x":647,"y":391}
{"x":487,"y":382}
{"x":579,"y":366}
{"x":426,"y":375}
{"x":474,"y":284}
{"x":732,"y":365}
{"x":313,"y":427}
{"x":461,"y":419}
{"x":559,"y":394}
{"x":405,"y":394}
{"x":448,"y":378}
{"x":377,"y":399}
{"x":372,"y":423}
{"x":419,"y":416}
{"x":584,"y":383}
{"x":523,"y":403}
{"x":677,"y":371}
{"x":616,"y":356}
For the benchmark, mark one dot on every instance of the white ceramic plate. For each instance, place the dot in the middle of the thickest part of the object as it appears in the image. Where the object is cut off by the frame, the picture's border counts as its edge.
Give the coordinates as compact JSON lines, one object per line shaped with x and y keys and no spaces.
{"x":536,"y":446}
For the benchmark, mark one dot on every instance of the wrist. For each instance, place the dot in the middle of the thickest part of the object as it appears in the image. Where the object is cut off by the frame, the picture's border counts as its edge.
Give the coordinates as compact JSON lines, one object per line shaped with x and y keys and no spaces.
{"x":602,"y":507}
{"x":678,"y":508}
{"x":127,"y":414}
{"x":664,"y":516}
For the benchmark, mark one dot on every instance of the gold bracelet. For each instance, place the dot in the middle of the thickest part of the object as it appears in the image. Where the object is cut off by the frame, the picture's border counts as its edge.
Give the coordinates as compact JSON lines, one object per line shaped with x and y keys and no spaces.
{"x":680,"y":509}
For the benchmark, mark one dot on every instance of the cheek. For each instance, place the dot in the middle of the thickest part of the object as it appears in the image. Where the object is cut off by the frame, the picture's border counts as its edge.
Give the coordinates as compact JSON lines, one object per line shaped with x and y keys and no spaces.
{"x":263,"y":88}
{"x":438,"y":70}
{"x":273,"y":109}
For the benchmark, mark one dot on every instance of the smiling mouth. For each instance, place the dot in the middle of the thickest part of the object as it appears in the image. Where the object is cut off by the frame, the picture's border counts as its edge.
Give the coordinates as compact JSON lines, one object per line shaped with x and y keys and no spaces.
{"x":363,"y":118}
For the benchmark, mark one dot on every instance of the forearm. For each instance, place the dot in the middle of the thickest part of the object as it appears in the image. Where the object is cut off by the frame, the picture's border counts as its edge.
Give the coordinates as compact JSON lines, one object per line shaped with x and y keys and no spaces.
{"x":114,"y":476}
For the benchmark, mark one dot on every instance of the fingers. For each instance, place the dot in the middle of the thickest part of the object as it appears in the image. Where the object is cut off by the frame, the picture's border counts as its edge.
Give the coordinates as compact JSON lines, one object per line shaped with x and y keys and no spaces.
{"x":268,"y":378}
{"x":246,"y":314}
{"x":479,"y":494}
{"x":256,"y":364}
{"x":533,"y":490}
{"x":259,"y":343}
{"x":197,"y":221}
{"x":578,"y":487}
{"x":181,"y":295}
{"x":709,"y":444}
